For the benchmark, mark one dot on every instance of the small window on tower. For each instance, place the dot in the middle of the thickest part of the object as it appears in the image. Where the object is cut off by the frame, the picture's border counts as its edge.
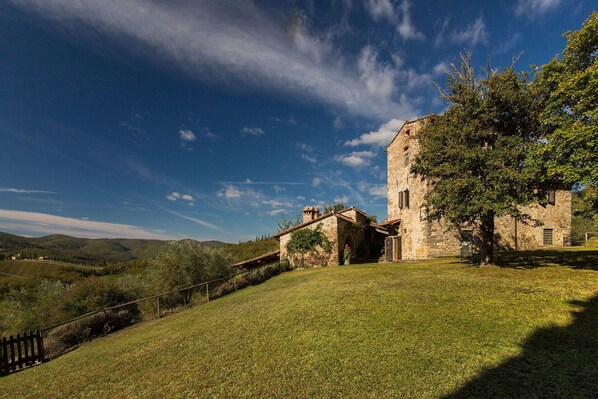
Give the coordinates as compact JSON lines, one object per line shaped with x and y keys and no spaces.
{"x":400,"y":200}
{"x":551,"y":197}
{"x":406,"y":155}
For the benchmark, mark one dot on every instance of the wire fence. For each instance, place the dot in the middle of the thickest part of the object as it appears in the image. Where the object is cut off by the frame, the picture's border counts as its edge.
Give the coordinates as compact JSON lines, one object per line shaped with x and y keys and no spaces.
{"x":62,"y":337}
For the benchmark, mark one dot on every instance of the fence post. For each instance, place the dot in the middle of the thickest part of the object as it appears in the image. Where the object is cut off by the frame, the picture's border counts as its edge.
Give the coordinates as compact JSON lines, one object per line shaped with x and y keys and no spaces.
{"x":40,"y":346}
{"x":586,"y":241}
{"x":158,"y":306}
{"x":207,"y":293}
{"x":26,"y":347}
{"x":19,"y":352}
{"x":4,"y":359}
{"x":235,"y":282}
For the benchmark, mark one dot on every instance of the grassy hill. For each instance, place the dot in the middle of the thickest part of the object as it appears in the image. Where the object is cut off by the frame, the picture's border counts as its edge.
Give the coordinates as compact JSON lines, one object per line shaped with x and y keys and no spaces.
{"x":80,"y":250}
{"x":422,"y":329}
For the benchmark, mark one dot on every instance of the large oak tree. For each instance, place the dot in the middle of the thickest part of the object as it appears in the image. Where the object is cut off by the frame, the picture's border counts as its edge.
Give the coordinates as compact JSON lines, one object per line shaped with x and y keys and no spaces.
{"x":475,"y":155}
{"x":567,"y":92}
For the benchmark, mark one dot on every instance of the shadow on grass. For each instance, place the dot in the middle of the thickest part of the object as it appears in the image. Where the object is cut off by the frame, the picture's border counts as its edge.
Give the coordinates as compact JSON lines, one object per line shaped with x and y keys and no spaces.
{"x":581,"y":259}
{"x":556,"y":362}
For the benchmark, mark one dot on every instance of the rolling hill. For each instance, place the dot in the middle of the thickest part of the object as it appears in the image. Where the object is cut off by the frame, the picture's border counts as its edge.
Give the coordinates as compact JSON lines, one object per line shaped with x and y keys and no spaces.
{"x":83,"y":250}
{"x":432,"y":329}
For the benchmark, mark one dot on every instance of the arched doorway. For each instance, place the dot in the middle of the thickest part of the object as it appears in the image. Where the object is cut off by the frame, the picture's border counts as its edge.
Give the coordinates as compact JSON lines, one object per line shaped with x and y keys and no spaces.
{"x":347,"y":252}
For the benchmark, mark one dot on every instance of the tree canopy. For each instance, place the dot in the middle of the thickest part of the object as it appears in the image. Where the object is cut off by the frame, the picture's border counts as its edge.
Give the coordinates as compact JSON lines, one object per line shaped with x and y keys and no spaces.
{"x":567,"y":92}
{"x":475,"y":155}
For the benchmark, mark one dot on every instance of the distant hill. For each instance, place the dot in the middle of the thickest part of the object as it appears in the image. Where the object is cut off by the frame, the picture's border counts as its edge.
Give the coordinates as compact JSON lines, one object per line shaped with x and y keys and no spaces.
{"x":83,"y":250}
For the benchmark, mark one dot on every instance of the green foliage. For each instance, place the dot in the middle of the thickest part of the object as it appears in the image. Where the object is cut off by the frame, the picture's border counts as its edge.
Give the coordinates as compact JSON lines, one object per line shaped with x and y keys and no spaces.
{"x":285,"y":222}
{"x":92,"y":294}
{"x":585,"y":216}
{"x":184,"y":263}
{"x":339,"y":206}
{"x":30,"y":308}
{"x":567,"y":92}
{"x":251,"y":249}
{"x":475,"y":155}
{"x":311,"y":242}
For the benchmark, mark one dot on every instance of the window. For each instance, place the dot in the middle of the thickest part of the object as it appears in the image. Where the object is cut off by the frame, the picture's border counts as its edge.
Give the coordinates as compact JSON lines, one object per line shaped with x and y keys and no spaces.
{"x":403,"y":199}
{"x":548,"y":236}
{"x":406,"y":155}
{"x":551,"y":197}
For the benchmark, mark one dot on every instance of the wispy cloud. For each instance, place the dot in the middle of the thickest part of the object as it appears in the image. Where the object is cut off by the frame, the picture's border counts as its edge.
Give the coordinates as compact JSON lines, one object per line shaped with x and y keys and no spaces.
{"x":534,"y":8}
{"x":308,"y":153}
{"x":24,"y":191}
{"x":380,"y":137}
{"x":473,"y":34}
{"x":401,"y":16}
{"x":231,"y":42}
{"x":251,"y":131}
{"x":193,"y":219}
{"x":42,"y":223}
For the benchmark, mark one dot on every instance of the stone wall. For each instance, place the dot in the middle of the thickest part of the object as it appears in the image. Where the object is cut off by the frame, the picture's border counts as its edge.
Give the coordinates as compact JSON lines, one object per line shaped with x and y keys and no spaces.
{"x":529,"y":236}
{"x":330,"y":230}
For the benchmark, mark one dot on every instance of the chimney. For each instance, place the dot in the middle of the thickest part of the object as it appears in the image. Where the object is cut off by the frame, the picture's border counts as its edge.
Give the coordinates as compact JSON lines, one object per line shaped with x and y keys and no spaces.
{"x":310,"y":213}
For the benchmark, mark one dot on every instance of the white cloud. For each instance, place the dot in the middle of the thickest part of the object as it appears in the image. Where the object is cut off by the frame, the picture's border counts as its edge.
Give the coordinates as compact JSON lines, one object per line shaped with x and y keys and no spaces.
{"x":175,"y":196}
{"x":275,"y":212}
{"x":187,"y":136}
{"x":380,"y":137}
{"x":405,"y":27}
{"x":230,"y":192}
{"x":341,"y":200}
{"x":441,"y":68}
{"x":229,"y":42}
{"x":380,"y":191}
{"x":24,"y":191}
{"x":380,"y":9}
{"x":316,"y":182}
{"x":401,"y":17}
{"x":534,"y":8}
{"x":43,"y":223}
{"x":356,"y":159}
{"x":309,"y":158}
{"x":301,"y":198}
{"x":307,"y":152}
{"x":251,"y":131}
{"x":378,"y":78}
{"x":473,"y":34}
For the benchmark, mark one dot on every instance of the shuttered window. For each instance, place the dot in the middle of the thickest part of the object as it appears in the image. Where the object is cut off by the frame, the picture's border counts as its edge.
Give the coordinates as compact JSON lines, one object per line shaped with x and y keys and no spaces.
{"x":406,"y":199}
{"x":548,"y":236}
{"x":400,"y":200}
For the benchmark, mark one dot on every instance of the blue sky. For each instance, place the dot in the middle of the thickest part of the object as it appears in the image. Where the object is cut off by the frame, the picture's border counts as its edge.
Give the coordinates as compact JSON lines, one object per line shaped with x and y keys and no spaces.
{"x":210,"y":119}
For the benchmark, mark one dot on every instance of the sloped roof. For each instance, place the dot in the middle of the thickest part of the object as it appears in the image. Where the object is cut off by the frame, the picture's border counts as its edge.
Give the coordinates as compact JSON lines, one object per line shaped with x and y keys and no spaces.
{"x":320,"y":218}
{"x":258,"y":261}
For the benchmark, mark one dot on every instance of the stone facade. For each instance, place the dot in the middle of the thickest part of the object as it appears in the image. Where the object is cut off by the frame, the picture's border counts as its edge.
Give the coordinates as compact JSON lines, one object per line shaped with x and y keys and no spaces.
{"x":346,"y":228}
{"x":421,"y":239}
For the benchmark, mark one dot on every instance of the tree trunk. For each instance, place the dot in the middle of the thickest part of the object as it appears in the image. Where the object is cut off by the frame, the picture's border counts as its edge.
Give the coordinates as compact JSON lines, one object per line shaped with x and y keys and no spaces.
{"x":487,"y":245}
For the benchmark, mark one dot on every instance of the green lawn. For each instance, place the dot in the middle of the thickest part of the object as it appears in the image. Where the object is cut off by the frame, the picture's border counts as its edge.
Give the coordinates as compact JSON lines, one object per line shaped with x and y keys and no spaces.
{"x":420,"y":330}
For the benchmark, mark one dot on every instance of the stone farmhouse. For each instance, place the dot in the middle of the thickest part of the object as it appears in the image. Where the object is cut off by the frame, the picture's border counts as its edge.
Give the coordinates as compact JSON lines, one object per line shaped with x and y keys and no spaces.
{"x":407,"y":234}
{"x":411,"y":236}
{"x":349,"y":231}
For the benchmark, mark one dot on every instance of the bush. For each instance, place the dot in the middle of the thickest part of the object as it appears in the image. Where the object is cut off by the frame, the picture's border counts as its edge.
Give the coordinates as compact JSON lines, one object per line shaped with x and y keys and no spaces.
{"x":182,"y":264}
{"x":62,"y":338}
